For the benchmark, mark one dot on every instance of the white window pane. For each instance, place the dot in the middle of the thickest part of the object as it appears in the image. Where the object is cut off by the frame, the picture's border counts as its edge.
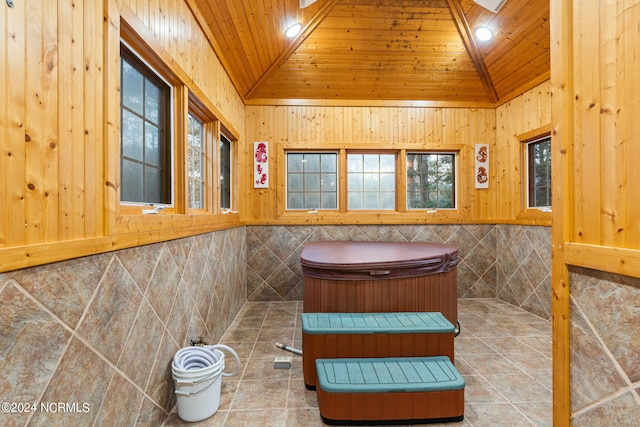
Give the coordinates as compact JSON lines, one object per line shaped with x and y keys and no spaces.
{"x":328,"y":182}
{"x":371,"y":182}
{"x":294,"y":182}
{"x":294,"y":162}
{"x":311,"y":163}
{"x":311,"y":200}
{"x":329,"y":201}
{"x":371,"y":162}
{"x":195,"y":194}
{"x":355,"y":182}
{"x":355,"y":200}
{"x":328,"y":162}
{"x":355,"y":163}
{"x":195,"y":132}
{"x":387,"y":163}
{"x":312,"y":182}
{"x":295,"y":201}
{"x":378,"y":175}
{"x":371,"y":201}
{"x":387,"y":182}
{"x":387,"y":200}
{"x":195,"y":164}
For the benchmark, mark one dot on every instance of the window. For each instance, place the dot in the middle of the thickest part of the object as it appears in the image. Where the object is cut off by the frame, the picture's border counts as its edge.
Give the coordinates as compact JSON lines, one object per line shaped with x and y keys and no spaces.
{"x":312,"y":180}
{"x":145,"y":157}
{"x":538,"y":160}
{"x":195,"y":163}
{"x":225,"y":172}
{"x":371,"y":181}
{"x":431,"y":182}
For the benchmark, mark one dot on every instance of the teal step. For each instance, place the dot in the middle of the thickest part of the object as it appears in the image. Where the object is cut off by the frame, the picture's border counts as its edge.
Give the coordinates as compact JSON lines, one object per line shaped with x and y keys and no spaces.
{"x":399,"y":390}
{"x":372,"y":323}
{"x":381,"y":375}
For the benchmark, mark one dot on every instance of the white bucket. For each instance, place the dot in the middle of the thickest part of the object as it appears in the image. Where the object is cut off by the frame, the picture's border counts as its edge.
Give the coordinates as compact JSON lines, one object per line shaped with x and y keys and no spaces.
{"x":198,"y":372}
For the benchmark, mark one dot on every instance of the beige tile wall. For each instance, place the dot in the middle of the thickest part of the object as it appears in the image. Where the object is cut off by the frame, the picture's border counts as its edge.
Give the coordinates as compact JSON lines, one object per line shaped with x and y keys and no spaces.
{"x":523,"y":255}
{"x":102,"y":330}
{"x":98,"y":334}
{"x":511,"y":262}
{"x":605,"y":349}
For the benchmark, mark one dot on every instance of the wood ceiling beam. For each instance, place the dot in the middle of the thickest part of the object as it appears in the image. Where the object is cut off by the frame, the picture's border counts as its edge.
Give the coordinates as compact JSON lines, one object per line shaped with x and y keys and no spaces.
{"x":313,"y":23}
{"x":466,"y":35}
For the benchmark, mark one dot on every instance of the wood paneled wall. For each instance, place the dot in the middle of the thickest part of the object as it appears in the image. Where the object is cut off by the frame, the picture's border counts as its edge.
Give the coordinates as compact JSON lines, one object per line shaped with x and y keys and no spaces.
{"x":403,"y":128}
{"x":596,"y":153}
{"x":58,"y":82}
{"x":59,"y":131}
{"x":51,"y":121}
{"x":599,"y":89}
{"x":520,"y":116}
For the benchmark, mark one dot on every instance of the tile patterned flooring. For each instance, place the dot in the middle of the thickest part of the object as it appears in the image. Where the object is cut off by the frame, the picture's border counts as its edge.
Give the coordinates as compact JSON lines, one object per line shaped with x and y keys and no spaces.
{"x":503,"y":353}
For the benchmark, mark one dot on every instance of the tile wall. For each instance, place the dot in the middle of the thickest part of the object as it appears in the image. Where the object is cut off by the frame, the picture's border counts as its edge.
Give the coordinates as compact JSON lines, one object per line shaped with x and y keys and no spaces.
{"x":97,"y":334}
{"x":605,"y":349}
{"x":511,"y":262}
{"x":523,"y":273}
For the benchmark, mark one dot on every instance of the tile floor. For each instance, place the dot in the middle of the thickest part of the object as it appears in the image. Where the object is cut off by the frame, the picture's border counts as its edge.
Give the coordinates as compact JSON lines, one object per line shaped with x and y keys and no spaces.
{"x":503,"y":353}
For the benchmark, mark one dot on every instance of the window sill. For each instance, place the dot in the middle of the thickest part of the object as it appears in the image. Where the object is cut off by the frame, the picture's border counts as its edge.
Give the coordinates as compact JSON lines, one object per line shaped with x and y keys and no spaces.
{"x":536,"y":215}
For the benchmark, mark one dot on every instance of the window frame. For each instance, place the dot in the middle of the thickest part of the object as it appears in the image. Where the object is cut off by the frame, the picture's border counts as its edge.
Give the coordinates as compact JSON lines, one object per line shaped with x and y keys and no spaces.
{"x":530,"y":167}
{"x":400,"y":215}
{"x":455,"y":189}
{"x":175,"y":220}
{"x":233,"y":171}
{"x":526,"y":212}
{"x":200,"y":181}
{"x":286,"y":180}
{"x":396,"y":183}
{"x":209,"y":129}
{"x":151,"y":73}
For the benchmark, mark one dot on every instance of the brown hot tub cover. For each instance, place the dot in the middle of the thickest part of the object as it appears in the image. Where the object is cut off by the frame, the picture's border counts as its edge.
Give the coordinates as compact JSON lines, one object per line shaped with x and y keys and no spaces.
{"x":340,"y":260}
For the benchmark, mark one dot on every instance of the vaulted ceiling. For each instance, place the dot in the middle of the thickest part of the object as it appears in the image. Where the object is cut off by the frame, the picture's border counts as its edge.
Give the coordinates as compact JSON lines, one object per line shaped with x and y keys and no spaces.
{"x":379,"y":50}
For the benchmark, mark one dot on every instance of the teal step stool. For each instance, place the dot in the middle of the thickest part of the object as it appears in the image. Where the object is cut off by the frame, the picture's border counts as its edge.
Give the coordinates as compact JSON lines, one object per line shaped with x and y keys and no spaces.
{"x":405,"y":334}
{"x":406,"y":390}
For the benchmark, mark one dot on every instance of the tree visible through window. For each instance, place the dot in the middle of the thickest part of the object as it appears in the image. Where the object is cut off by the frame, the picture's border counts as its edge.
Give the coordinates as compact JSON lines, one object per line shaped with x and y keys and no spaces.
{"x":431,"y":181}
{"x":539,"y":173}
{"x":225,"y":172}
{"x":145,"y":133}
{"x":195,"y":162}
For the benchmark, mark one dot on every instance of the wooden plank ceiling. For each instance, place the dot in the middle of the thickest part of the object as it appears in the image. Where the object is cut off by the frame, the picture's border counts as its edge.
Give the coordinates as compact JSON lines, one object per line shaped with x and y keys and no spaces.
{"x":380,"y":50}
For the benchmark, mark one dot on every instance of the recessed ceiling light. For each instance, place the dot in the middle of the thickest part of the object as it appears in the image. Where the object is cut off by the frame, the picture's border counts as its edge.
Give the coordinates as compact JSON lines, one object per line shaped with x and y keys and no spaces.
{"x":293,"y":30}
{"x":484,"y":33}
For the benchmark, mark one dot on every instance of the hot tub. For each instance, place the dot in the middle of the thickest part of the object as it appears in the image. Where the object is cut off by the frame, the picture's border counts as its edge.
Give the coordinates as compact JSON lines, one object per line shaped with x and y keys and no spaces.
{"x":360,"y":277}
